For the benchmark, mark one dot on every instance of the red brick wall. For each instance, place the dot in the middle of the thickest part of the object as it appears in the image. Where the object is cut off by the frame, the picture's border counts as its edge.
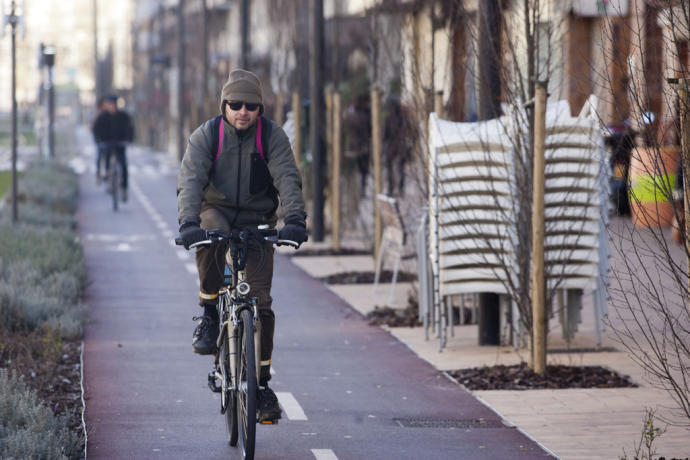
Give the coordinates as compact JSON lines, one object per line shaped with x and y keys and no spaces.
{"x":578,"y":62}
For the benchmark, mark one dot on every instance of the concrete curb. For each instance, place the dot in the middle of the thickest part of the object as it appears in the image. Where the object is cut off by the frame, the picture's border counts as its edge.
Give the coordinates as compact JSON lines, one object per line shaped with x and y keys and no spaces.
{"x":486,"y":404}
{"x":83,"y":401}
{"x":505,"y":420}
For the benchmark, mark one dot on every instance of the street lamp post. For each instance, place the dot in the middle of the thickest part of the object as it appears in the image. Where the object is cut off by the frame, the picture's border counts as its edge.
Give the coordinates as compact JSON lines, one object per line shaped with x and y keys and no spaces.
{"x":13,"y":19}
{"x":49,"y":62}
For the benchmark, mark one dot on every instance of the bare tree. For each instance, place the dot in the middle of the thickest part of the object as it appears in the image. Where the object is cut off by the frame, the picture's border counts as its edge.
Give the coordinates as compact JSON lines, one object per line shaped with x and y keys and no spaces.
{"x":649,"y":291}
{"x":532,"y":34}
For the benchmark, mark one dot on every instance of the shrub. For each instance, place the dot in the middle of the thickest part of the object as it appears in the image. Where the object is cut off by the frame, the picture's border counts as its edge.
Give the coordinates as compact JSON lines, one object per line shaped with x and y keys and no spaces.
{"x":34,"y":214}
{"x":50,"y":185}
{"x":42,"y":275}
{"x":42,"y":278}
{"x":45,"y":249}
{"x":28,"y":429}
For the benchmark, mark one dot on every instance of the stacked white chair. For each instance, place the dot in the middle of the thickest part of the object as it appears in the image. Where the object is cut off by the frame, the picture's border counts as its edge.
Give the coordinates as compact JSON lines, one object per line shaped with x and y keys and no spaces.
{"x":575,"y":200}
{"x":472,"y":212}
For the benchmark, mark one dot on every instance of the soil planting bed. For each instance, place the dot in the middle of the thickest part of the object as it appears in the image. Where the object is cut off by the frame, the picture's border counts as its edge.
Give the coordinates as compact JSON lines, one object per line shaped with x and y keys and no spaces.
{"x":396,"y":317}
{"x":330,"y":252}
{"x":521,"y":377}
{"x":50,"y":367}
{"x":393,"y":317}
{"x":367,"y":277}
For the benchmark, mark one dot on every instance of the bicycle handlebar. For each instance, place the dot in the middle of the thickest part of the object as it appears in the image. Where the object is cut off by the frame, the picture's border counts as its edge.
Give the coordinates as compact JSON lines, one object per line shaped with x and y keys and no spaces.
{"x":215,"y":236}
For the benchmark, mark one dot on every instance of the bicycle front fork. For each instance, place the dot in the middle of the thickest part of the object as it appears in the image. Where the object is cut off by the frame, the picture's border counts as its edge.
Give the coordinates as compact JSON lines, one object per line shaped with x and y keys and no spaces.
{"x":230,"y":332}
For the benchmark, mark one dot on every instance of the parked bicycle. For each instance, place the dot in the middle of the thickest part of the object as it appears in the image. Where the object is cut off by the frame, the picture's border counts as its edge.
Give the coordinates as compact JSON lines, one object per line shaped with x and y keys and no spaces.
{"x":236,"y":362}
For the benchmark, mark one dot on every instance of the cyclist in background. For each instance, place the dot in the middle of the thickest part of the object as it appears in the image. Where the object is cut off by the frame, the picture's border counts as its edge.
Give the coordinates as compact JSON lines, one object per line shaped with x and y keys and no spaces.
{"x":100,"y":150}
{"x":113,"y":129}
{"x":234,"y":181}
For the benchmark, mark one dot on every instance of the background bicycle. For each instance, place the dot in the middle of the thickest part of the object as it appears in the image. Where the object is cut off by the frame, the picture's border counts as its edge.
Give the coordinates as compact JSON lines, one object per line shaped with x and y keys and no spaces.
{"x":113,"y":157}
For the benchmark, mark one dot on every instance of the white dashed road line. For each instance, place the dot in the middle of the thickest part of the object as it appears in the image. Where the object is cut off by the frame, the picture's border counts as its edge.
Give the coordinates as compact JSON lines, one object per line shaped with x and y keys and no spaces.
{"x":290,"y":405}
{"x":324,"y":454}
{"x":191,"y":268}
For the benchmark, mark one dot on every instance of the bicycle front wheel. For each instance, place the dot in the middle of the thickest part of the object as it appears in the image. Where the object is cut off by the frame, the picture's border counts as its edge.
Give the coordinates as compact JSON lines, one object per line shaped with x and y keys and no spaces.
{"x":247,"y":391}
{"x":114,"y":186}
{"x":229,"y":398}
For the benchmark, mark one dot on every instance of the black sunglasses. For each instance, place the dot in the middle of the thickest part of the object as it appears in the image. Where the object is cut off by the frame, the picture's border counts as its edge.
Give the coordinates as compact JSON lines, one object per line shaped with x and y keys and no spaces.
{"x":237,"y":105}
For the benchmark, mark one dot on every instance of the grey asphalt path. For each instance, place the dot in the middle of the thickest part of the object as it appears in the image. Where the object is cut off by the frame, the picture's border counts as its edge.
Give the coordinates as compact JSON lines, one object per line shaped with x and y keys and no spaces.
{"x":146,"y":394}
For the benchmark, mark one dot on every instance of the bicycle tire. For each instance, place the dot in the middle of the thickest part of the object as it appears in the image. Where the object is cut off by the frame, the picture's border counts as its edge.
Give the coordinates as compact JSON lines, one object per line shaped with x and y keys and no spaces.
{"x":114,"y":186}
{"x":230,"y":396}
{"x":247,"y":388}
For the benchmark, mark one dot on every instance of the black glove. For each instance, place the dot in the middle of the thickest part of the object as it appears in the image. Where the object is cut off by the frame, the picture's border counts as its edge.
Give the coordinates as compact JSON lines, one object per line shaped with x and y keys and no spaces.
{"x":295,"y":229}
{"x":191,"y":233}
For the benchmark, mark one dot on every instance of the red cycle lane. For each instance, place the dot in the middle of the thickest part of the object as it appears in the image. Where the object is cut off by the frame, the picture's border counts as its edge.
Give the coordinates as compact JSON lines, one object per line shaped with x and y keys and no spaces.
{"x":349,"y":390}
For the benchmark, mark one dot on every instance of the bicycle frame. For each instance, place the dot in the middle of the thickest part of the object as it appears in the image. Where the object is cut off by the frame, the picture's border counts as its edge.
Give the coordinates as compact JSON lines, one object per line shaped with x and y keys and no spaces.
{"x":233,"y":299}
{"x":229,"y":309}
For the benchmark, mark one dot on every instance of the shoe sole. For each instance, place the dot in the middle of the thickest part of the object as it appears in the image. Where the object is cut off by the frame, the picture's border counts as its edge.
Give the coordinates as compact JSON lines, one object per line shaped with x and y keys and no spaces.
{"x":266,"y":419}
{"x":204,"y":351}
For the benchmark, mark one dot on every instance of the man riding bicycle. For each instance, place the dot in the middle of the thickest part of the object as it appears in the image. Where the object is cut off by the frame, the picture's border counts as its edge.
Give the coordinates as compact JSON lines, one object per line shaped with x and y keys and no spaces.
{"x":112,"y":130}
{"x":230,"y":178}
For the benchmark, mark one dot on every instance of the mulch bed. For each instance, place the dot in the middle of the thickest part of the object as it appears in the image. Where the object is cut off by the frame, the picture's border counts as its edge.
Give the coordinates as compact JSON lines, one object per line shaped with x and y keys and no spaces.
{"x":330,"y":252}
{"x":396,"y":317}
{"x":393,"y":317}
{"x":386,"y":276}
{"x":50,"y":366}
{"x":521,"y":377}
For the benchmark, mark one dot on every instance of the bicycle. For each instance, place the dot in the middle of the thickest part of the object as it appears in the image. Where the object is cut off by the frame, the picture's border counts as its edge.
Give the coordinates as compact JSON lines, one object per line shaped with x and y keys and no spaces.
{"x":113,"y":175}
{"x":238,"y":353}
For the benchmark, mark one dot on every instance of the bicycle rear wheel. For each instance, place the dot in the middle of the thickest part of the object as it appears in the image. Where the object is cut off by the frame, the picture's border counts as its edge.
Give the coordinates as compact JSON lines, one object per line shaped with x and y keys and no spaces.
{"x":247,"y":391}
{"x":229,"y":398}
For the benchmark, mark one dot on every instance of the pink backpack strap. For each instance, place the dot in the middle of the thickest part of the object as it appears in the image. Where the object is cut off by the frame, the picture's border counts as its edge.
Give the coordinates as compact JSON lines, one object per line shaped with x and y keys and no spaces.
{"x":220,"y":139}
{"x":258,"y":139}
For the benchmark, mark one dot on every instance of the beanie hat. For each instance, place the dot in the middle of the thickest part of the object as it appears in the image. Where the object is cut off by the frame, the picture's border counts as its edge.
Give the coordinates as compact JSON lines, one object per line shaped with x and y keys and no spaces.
{"x":241,"y":85}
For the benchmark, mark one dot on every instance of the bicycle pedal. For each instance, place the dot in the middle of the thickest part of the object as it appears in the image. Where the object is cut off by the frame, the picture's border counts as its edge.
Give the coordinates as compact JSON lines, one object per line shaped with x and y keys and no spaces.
{"x":212,"y":383}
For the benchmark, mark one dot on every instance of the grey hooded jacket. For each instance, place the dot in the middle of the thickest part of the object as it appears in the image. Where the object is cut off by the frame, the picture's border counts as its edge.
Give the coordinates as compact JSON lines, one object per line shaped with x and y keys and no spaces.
{"x":239,"y":185}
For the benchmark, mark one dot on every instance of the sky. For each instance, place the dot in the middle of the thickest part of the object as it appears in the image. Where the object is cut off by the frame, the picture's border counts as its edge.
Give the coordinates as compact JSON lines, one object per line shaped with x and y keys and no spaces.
{"x":68,"y":25}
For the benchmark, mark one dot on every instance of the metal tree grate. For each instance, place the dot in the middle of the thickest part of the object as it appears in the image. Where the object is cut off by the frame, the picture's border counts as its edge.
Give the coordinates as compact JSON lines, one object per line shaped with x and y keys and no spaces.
{"x":449,"y":423}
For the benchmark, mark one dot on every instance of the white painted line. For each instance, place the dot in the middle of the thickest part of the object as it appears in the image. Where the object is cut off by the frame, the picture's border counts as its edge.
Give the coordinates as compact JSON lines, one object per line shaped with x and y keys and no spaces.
{"x":273,"y":371}
{"x":123,"y":247}
{"x":182,"y":255}
{"x":290,"y":405}
{"x":324,"y":454}
{"x":191,"y":268}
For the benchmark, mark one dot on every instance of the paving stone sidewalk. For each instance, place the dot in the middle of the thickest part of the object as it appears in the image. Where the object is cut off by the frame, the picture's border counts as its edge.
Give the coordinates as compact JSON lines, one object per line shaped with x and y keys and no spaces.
{"x":574,"y":424}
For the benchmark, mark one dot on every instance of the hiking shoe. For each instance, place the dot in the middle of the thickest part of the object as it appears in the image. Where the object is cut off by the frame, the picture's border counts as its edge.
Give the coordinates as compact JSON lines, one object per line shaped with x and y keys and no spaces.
{"x":205,"y":335}
{"x":269,"y":409}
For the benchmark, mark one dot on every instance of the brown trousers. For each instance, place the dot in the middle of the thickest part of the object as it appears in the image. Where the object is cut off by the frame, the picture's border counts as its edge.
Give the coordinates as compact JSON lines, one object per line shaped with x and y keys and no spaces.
{"x":210,"y":262}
